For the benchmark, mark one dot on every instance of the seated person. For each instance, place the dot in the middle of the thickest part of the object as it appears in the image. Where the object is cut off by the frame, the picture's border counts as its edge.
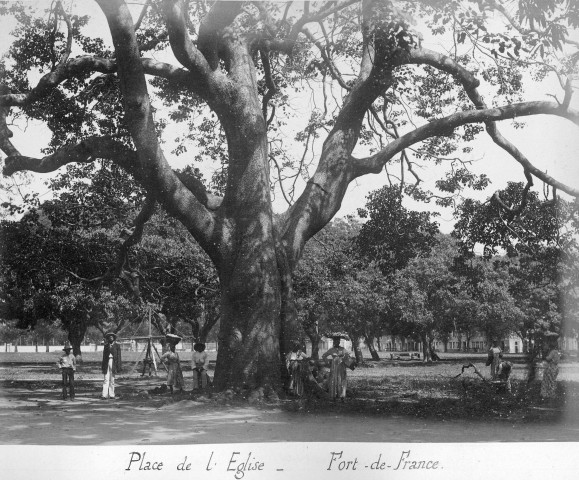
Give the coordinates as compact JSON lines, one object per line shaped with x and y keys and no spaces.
{"x":504,"y":375}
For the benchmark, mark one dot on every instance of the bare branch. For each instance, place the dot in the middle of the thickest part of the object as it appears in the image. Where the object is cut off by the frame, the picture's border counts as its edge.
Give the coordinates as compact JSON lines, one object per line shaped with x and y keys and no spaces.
{"x":287,"y":44}
{"x":81,"y":65}
{"x":470,"y":84}
{"x":208,"y":200}
{"x":89,"y":150}
{"x":142,"y":15}
{"x":187,"y":54}
{"x":221,"y":16}
{"x":59,"y":9}
{"x":106,"y":148}
{"x":327,"y":60}
{"x":156,"y":175}
{"x":443,"y":126}
{"x":271,"y":86}
{"x":5,"y":133}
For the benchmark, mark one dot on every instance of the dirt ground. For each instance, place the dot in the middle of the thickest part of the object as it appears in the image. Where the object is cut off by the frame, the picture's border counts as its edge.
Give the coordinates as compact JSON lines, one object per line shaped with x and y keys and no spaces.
{"x":387,"y":402}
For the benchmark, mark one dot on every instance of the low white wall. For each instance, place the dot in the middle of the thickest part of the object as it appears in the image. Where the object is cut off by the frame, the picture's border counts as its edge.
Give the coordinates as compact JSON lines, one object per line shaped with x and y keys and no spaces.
{"x":8,"y":347}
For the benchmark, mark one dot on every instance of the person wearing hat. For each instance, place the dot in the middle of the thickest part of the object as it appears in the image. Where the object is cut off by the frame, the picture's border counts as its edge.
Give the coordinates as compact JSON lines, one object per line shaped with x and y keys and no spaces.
{"x":199,"y":363}
{"x":339,"y":359}
{"x":173,"y":364}
{"x":111,"y":364}
{"x":67,"y":365}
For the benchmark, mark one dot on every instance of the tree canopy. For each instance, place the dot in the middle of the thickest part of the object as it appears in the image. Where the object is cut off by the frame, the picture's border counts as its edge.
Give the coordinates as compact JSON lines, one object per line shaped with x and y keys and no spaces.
{"x":230,"y":72}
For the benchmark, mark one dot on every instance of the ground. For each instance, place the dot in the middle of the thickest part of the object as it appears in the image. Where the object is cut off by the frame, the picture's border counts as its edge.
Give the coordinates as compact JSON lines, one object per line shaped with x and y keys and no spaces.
{"x":387,"y":401}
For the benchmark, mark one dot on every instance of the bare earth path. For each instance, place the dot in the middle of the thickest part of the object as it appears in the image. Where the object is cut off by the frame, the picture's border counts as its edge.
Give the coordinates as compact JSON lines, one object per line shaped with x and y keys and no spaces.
{"x":31,"y":412}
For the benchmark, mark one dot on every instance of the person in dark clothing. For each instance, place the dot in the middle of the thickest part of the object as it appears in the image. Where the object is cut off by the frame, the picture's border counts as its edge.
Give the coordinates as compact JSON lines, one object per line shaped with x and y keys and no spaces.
{"x":111,"y":364}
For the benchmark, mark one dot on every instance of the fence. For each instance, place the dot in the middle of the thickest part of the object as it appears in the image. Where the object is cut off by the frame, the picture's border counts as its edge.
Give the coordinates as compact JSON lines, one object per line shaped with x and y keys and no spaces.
{"x":125,"y":346}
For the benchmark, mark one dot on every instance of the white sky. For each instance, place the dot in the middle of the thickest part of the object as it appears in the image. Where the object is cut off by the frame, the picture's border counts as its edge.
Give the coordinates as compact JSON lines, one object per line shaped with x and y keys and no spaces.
{"x":551,"y":143}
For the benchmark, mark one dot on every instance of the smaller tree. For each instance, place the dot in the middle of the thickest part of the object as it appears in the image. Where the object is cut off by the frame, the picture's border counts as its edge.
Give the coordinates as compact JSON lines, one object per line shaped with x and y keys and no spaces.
{"x":393,"y":235}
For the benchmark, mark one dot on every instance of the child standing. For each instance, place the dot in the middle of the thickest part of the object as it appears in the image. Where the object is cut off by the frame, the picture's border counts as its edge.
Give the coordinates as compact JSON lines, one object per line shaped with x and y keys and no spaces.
{"x":67,"y":365}
{"x":199,"y":366}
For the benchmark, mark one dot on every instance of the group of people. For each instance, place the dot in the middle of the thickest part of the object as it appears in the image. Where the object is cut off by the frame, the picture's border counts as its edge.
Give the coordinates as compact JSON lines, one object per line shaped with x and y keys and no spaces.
{"x":501,"y":369}
{"x":111,"y":366}
{"x":199,"y":363}
{"x":337,"y":359}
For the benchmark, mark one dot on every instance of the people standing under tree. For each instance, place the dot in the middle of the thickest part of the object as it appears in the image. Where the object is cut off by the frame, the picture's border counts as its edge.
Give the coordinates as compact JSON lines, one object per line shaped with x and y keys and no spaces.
{"x":494,"y":360}
{"x":293,"y":361}
{"x":67,"y":365}
{"x":199,"y":363}
{"x":173,"y":364}
{"x":550,"y":371}
{"x":339,"y":360}
{"x":111,"y":364}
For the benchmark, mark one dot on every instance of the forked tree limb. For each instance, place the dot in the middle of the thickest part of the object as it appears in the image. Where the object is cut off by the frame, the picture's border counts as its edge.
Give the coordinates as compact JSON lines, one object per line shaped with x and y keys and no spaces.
{"x":82,"y":65}
{"x":443,"y":126}
{"x":87,"y":151}
{"x":470,"y":84}
{"x":183,"y":48}
{"x":155,"y":172}
{"x":220,"y":17}
{"x":106,"y":148}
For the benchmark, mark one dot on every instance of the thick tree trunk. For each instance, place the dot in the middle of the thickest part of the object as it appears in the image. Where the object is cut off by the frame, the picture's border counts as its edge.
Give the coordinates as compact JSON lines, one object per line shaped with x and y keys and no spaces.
{"x":76,"y":334}
{"x":315,"y":339}
{"x":251,"y":298}
{"x":425,"y":348}
{"x":206,"y":328}
{"x":249,"y":350}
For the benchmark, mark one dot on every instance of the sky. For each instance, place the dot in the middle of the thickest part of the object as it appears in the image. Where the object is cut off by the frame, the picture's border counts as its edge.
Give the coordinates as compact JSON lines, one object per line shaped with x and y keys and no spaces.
{"x":550,"y":143}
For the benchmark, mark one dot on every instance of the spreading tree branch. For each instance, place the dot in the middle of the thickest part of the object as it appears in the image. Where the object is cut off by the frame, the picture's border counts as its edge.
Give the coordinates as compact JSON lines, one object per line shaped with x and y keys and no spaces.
{"x":106,"y":148}
{"x":443,"y":126}
{"x":470,"y":84}
{"x":271,"y":86}
{"x":221,"y":16}
{"x":85,"y":64}
{"x":181,"y":44}
{"x":155,"y":173}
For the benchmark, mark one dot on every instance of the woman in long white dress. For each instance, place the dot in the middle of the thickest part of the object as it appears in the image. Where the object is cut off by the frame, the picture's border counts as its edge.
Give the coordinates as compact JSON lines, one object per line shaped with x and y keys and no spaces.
{"x":339,"y":359}
{"x":174,"y":372}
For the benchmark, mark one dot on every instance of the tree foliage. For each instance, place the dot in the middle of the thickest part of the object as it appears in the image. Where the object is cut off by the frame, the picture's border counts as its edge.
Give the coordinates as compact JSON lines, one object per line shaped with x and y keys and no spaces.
{"x":383,"y":101}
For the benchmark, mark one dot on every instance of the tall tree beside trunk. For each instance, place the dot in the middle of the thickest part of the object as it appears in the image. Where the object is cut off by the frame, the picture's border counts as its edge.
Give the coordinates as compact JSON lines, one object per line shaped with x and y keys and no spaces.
{"x":426,"y":340}
{"x":254,"y":251}
{"x":370,"y":343}
{"x":357,"y":350}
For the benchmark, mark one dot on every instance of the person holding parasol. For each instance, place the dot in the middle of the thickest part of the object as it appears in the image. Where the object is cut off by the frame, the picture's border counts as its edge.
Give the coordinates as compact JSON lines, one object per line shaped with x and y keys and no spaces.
{"x":339,"y":359}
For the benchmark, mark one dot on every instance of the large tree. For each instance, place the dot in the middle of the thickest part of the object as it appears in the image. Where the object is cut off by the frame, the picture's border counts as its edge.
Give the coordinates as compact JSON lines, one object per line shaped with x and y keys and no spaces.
{"x":240,"y":61}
